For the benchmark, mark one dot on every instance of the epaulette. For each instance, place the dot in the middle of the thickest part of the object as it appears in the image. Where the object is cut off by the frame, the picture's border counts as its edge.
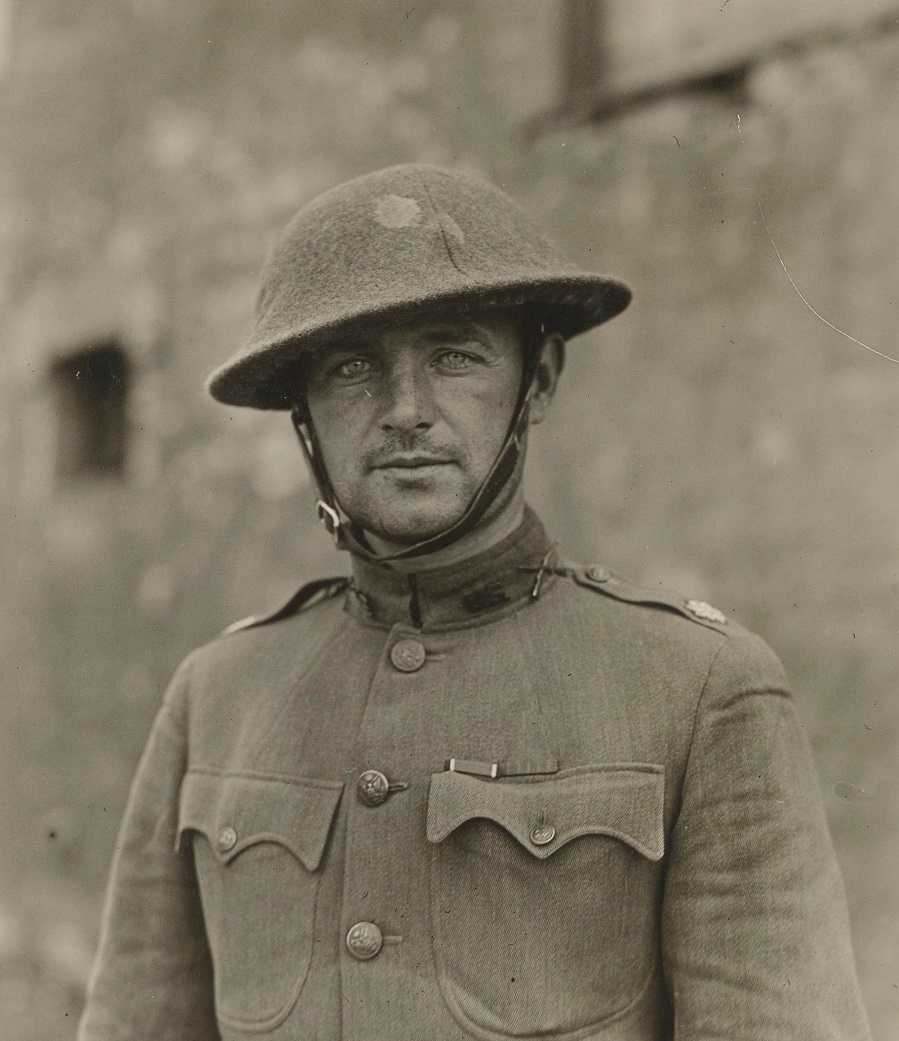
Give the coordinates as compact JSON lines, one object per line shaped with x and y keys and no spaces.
{"x":595,"y":576}
{"x":307,"y":595}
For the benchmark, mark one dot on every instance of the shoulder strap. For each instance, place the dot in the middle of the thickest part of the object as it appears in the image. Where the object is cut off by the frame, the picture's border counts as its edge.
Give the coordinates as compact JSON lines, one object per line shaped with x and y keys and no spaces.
{"x":307,"y":595}
{"x":600,"y":579}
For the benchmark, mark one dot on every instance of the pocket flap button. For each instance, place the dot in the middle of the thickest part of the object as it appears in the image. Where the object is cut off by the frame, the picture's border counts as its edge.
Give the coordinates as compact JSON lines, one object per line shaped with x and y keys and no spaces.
{"x":372,"y":787}
{"x":227,"y":839}
{"x":364,"y":940}
{"x":407,"y":655}
{"x":542,"y":834}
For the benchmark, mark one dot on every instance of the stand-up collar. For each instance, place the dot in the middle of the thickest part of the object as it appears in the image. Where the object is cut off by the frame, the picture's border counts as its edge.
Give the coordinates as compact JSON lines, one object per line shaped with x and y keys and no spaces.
{"x":503,"y":576}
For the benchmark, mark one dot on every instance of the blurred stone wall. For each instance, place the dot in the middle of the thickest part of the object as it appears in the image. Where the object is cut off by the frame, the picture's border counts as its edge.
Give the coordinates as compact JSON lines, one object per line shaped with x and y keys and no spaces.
{"x":718,"y":438}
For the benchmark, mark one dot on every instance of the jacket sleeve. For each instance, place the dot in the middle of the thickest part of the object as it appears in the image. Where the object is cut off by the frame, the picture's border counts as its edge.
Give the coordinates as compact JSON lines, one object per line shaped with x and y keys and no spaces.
{"x":152,"y":976}
{"x":755,"y":929}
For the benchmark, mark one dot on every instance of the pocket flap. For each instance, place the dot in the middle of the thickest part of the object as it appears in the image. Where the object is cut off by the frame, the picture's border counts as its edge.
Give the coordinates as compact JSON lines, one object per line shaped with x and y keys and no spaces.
{"x":235,"y":811}
{"x":625,"y":801}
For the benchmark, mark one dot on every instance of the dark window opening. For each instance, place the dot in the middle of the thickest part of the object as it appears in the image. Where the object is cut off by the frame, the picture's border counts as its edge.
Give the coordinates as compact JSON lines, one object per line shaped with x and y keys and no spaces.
{"x":90,"y":388}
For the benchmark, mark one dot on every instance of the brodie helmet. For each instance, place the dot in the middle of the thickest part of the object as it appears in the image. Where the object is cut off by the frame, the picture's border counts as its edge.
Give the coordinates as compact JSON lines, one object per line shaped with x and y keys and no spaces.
{"x":382,"y":249}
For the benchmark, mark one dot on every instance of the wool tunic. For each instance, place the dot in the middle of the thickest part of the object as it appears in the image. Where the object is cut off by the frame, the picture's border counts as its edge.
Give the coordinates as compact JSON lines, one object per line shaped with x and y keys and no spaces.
{"x":494,"y":800}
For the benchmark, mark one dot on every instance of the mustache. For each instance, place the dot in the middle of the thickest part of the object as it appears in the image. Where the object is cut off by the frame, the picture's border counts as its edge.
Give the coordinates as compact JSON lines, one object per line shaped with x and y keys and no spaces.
{"x":384,"y":453}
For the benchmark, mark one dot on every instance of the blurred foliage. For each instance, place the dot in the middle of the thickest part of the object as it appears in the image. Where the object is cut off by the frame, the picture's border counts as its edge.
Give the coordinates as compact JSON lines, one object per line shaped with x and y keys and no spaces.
{"x":717,"y":438}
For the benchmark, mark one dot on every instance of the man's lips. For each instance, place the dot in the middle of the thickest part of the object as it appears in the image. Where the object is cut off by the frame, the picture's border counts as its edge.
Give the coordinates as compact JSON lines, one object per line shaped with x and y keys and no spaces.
{"x":411,"y":462}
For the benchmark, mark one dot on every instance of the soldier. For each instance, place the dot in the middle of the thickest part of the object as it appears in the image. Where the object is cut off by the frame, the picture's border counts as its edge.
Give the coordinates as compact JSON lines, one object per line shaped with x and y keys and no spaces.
{"x":473,"y":790}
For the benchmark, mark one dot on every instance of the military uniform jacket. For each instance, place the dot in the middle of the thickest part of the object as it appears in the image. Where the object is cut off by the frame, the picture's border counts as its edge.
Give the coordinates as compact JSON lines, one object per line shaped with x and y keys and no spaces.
{"x":490,"y":801}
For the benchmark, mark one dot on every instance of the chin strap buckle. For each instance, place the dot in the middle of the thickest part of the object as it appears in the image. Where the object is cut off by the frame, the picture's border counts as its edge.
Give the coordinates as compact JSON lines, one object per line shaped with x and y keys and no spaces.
{"x":329,"y":517}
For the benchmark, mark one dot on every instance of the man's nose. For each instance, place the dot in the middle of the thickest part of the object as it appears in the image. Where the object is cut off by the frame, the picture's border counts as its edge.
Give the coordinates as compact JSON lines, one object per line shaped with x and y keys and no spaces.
{"x":409,"y":400}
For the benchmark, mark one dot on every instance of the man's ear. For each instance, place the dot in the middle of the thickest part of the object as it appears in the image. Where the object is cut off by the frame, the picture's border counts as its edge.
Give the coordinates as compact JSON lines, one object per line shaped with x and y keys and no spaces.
{"x":551,"y":355}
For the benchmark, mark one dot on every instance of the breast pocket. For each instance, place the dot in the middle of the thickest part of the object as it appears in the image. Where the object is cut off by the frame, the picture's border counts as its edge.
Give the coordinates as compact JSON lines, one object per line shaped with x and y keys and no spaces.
{"x":258,"y":847}
{"x":545,"y":897}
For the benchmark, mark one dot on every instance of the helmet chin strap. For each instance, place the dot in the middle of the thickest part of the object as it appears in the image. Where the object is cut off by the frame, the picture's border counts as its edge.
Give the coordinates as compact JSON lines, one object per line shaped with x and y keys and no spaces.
{"x":348,"y":535}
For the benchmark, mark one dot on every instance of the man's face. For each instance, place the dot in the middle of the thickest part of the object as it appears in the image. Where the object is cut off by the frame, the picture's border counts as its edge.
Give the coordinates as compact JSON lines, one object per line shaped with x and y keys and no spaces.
{"x":411,"y":419}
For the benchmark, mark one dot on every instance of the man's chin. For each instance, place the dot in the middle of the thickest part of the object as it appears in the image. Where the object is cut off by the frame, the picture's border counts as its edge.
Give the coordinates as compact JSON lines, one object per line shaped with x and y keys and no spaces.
{"x":402,"y":531}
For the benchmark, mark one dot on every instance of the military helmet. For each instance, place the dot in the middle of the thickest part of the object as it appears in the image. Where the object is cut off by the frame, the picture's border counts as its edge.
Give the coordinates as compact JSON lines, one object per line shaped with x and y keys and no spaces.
{"x":382,"y":247}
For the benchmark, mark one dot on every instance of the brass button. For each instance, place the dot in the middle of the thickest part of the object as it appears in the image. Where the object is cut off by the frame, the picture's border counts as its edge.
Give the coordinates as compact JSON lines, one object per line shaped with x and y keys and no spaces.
{"x":407,"y":655}
{"x":372,"y":787}
{"x":364,"y":940}
{"x":598,"y":573}
{"x":542,"y":834}
{"x":227,"y":839}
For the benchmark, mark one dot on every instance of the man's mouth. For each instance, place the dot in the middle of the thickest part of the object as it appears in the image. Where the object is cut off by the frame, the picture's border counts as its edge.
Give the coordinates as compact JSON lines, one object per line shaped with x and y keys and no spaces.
{"x":414,"y":461}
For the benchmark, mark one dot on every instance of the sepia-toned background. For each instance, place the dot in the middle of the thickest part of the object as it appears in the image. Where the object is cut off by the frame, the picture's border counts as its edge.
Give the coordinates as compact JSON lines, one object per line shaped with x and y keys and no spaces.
{"x":719,"y":438}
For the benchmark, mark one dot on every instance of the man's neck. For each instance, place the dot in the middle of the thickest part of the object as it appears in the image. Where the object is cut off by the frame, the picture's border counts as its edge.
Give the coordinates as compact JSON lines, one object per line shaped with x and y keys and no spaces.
{"x":496,"y":526}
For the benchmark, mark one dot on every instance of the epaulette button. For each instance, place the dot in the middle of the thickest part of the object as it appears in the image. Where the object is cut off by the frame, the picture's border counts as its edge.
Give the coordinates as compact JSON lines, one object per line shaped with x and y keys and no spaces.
{"x":700,"y":609}
{"x":598,"y":573}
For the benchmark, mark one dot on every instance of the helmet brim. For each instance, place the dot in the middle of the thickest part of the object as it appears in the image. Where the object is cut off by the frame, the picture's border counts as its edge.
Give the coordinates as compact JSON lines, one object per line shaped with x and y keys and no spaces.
{"x":264,"y":375}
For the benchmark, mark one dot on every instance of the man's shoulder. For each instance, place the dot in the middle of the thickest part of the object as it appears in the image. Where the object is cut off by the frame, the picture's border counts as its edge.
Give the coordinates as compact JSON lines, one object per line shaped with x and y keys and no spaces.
{"x":612,"y":586}
{"x":678,"y":618}
{"x":307,"y":596}
{"x":251,"y":641}
{"x":661,"y":632}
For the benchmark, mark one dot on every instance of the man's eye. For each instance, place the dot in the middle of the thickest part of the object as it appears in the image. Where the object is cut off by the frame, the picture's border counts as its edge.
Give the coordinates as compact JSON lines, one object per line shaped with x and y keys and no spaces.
{"x":455,"y":360}
{"x":353,"y":368}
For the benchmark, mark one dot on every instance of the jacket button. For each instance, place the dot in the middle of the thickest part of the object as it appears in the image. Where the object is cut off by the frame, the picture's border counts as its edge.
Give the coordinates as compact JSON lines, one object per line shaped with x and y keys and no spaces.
{"x":407,"y":655}
{"x":372,"y":787}
{"x":364,"y":940}
{"x":598,"y":573}
{"x":227,"y":839}
{"x":542,"y":834}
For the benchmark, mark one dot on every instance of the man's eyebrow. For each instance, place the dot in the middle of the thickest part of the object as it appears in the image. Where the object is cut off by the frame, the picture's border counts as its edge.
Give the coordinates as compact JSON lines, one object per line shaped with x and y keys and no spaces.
{"x":451,"y":330}
{"x":317,"y":355}
{"x":457,"y":332}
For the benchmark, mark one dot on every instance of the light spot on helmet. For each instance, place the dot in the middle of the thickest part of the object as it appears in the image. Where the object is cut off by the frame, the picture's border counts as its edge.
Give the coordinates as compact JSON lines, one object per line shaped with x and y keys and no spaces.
{"x":397,"y":211}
